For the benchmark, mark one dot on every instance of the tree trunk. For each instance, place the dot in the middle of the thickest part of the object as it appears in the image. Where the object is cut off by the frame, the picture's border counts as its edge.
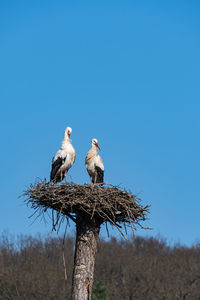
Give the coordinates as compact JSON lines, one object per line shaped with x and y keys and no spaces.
{"x":87,"y":232}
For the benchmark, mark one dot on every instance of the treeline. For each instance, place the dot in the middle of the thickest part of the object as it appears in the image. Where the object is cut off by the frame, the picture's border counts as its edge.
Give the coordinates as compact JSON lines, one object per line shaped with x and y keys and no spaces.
{"x":143,"y":268}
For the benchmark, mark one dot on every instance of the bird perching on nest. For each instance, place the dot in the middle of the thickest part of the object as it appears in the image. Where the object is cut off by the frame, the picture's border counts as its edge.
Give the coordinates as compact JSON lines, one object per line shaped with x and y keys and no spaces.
{"x":64,"y":159}
{"x":94,"y":163}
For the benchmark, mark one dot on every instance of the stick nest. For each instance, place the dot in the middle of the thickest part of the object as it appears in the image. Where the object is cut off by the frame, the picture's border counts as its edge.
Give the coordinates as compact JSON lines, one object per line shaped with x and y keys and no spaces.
{"x":106,"y":203}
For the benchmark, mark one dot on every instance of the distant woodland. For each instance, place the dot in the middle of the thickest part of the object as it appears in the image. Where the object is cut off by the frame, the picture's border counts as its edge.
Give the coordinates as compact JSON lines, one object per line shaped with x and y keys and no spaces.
{"x":143,"y":268}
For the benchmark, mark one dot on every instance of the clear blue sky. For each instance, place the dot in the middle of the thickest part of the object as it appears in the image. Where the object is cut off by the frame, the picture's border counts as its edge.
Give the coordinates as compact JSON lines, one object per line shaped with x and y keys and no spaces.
{"x":124,"y":72}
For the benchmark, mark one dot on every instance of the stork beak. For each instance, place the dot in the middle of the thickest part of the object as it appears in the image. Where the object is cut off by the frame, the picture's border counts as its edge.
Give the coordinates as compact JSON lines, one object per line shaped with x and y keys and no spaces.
{"x":68,"y":135}
{"x":98,"y":146}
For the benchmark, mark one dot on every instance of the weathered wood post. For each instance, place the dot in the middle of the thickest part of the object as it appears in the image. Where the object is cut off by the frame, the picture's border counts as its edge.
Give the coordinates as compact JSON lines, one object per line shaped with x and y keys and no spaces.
{"x":87,"y":232}
{"x":88,"y":206}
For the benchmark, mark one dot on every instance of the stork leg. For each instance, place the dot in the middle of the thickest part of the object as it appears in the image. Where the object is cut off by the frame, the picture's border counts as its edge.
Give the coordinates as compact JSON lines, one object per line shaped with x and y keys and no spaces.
{"x":95,"y":178}
{"x":91,"y":178}
{"x":61,"y":176}
{"x":65,"y":176}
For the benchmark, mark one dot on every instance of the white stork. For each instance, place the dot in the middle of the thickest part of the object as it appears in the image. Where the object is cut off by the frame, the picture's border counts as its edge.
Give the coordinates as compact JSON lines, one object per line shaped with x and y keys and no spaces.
{"x":64,"y":159}
{"x":94,"y":163}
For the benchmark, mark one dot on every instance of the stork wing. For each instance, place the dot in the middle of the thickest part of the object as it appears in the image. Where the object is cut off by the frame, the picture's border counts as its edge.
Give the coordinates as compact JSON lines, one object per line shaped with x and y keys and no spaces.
{"x":99,"y":162}
{"x":100,"y":174}
{"x":57,"y":161}
{"x":99,"y":166}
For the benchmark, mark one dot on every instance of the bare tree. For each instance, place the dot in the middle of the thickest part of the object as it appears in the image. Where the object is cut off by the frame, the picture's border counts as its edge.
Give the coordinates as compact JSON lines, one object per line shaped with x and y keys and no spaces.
{"x":84,"y":260}
{"x":142,"y":268}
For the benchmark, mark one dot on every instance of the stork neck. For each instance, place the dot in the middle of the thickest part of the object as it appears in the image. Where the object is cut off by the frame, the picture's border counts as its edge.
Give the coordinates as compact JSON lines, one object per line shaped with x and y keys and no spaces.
{"x":66,"y":142}
{"x":94,"y":148}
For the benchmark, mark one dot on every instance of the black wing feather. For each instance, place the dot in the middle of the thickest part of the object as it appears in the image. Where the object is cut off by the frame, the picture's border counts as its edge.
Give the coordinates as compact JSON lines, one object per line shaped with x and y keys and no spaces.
{"x":56,"y":166}
{"x":100,"y":174}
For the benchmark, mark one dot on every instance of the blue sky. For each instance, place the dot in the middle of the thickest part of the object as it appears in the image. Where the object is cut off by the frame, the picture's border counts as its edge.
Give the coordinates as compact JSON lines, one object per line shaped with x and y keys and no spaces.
{"x":124,"y":72}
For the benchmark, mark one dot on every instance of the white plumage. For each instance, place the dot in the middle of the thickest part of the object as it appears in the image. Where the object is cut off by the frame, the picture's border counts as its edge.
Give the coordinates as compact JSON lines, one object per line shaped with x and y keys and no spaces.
{"x":63,"y":159}
{"x":94,"y":163}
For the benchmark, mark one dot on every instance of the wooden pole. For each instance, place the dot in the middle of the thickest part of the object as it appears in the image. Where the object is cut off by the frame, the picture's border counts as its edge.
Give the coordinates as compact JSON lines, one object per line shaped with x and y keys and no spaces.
{"x":87,"y":232}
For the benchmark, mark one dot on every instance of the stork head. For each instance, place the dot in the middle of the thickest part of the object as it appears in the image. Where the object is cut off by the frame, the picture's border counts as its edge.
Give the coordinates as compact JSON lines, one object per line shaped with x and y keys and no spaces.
{"x":95,"y":143}
{"x":68,"y":132}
